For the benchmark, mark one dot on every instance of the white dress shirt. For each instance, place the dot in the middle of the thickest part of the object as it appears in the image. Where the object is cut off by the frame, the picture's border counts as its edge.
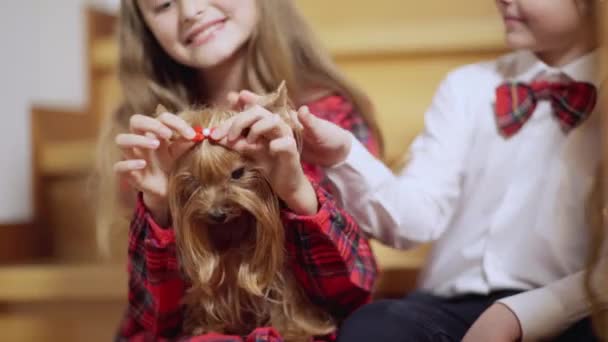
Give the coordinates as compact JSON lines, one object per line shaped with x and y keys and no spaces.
{"x":504,"y":213}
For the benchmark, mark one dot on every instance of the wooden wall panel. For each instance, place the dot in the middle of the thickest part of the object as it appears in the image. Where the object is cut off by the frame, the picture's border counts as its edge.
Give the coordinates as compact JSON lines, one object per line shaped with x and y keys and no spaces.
{"x":401,"y":88}
{"x":60,"y":321}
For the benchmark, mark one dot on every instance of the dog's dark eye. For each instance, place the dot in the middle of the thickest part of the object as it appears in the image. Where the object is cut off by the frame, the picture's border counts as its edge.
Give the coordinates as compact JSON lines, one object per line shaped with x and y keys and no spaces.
{"x":238,"y":173}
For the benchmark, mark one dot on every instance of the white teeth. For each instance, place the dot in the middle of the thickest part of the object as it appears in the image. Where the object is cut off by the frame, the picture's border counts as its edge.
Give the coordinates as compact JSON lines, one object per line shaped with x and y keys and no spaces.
{"x":209,"y":30}
{"x":203,"y":34}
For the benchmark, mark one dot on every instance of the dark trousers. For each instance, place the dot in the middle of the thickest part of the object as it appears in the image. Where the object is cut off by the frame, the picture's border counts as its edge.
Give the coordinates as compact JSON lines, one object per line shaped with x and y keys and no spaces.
{"x":423,"y":317}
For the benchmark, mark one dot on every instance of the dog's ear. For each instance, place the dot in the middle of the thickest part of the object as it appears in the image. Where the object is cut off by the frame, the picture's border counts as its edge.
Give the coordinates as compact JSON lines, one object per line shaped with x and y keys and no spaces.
{"x":290,"y":116}
{"x":276,"y":100}
{"x":281,"y":98}
{"x":160,"y":109}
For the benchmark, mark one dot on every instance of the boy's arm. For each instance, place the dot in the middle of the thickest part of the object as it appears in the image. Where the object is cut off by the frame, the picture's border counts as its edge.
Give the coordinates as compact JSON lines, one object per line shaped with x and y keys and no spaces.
{"x":548,"y":311}
{"x":417,"y":205}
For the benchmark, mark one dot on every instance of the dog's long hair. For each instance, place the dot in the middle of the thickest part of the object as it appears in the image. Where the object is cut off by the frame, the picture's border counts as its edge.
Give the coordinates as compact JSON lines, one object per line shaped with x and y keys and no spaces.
{"x":231,"y":244}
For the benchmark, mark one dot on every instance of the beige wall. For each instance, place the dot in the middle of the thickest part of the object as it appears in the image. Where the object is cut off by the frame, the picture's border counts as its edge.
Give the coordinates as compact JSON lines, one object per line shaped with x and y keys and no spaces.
{"x":42,"y":61}
{"x":398,"y":51}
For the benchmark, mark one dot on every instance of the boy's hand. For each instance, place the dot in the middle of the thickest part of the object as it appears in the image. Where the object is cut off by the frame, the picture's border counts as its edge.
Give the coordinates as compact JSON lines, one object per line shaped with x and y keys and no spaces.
{"x":498,"y":323}
{"x":325,"y":143}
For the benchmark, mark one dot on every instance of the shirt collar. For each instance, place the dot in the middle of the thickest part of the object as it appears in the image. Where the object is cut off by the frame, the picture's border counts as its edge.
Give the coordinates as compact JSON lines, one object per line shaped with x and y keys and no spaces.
{"x":584,"y":68}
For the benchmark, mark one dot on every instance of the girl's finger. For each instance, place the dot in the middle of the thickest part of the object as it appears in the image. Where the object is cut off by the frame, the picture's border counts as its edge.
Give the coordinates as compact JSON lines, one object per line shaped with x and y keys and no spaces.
{"x":270,"y":127}
{"x":141,"y":124}
{"x":243,"y":99}
{"x":243,"y":121}
{"x":249,"y":99}
{"x":233,"y":100}
{"x":178,"y":148}
{"x":129,"y":141}
{"x":136,"y":146}
{"x":242,"y":146}
{"x":283,"y":146}
{"x":177,"y":124}
{"x":137,"y":180}
{"x":135,"y":153}
{"x":222,"y":129}
{"x":127,"y":166}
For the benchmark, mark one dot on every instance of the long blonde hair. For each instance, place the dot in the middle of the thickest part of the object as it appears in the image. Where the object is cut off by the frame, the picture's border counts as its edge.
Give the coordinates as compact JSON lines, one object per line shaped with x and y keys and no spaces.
{"x":597,"y":212}
{"x":597,"y":271}
{"x":282,"y":47}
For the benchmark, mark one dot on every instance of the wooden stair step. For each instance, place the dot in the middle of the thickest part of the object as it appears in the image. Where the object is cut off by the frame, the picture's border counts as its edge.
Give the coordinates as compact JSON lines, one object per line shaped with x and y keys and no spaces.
{"x":63,"y":282}
{"x":67,"y":157}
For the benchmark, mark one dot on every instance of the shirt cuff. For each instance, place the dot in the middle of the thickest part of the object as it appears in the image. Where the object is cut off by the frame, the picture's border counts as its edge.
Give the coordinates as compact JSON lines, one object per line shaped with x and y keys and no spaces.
{"x":360,"y":167}
{"x":160,"y":236}
{"x":547,"y":311}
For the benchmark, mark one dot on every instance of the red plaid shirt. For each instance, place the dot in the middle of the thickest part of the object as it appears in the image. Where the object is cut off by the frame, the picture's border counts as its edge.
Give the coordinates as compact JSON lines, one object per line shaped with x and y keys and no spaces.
{"x":330,"y":257}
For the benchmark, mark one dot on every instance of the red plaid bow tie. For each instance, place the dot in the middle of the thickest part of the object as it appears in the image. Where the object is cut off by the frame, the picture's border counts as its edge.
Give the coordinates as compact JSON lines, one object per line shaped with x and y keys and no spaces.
{"x":572,"y":103}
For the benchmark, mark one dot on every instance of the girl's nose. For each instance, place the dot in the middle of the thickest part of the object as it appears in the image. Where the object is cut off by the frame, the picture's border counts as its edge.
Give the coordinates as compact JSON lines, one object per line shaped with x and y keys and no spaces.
{"x":192,"y":10}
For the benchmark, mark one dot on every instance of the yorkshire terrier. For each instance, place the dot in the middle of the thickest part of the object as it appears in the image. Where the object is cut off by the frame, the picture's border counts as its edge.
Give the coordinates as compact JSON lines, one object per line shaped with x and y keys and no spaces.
{"x":230,"y":239}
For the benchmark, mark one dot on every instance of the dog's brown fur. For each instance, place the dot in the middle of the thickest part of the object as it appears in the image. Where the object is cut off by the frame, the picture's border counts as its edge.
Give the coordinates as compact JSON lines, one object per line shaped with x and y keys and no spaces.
{"x":231,"y":241}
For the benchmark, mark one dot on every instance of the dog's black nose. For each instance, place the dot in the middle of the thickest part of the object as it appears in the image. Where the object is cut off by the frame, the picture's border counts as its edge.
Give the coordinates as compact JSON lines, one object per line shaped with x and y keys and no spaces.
{"x":217,"y":216}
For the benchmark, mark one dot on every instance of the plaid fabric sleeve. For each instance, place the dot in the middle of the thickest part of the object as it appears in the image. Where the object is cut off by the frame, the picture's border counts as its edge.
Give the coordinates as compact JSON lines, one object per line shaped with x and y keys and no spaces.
{"x":212,"y":337}
{"x":155,"y":284}
{"x":266,"y":334}
{"x":331,"y":257}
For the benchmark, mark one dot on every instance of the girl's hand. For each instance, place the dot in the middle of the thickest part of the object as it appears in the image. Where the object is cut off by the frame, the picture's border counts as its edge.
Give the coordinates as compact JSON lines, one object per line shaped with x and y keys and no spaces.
{"x":149,"y":154}
{"x":324,"y":143}
{"x":270,"y":142}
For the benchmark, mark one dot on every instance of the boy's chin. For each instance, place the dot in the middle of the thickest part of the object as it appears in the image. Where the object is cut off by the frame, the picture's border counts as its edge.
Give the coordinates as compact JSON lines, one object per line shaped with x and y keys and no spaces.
{"x":519,"y":41}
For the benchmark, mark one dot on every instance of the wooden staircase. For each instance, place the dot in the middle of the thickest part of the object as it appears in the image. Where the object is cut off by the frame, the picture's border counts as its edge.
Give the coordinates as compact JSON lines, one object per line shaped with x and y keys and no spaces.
{"x":64,"y":291}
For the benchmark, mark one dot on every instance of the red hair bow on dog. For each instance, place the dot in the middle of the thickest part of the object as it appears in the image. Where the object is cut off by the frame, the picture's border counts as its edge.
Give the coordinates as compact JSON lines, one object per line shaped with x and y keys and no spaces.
{"x":202,"y":133}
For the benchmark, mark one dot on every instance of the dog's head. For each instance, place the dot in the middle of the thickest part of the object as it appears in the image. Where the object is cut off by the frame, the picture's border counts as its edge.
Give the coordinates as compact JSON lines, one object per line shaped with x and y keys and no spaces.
{"x":224,"y":211}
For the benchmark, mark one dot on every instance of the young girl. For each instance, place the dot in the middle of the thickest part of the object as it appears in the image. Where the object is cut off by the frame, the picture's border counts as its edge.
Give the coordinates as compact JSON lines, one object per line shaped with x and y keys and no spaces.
{"x":498,"y":180}
{"x":195,"y":52}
